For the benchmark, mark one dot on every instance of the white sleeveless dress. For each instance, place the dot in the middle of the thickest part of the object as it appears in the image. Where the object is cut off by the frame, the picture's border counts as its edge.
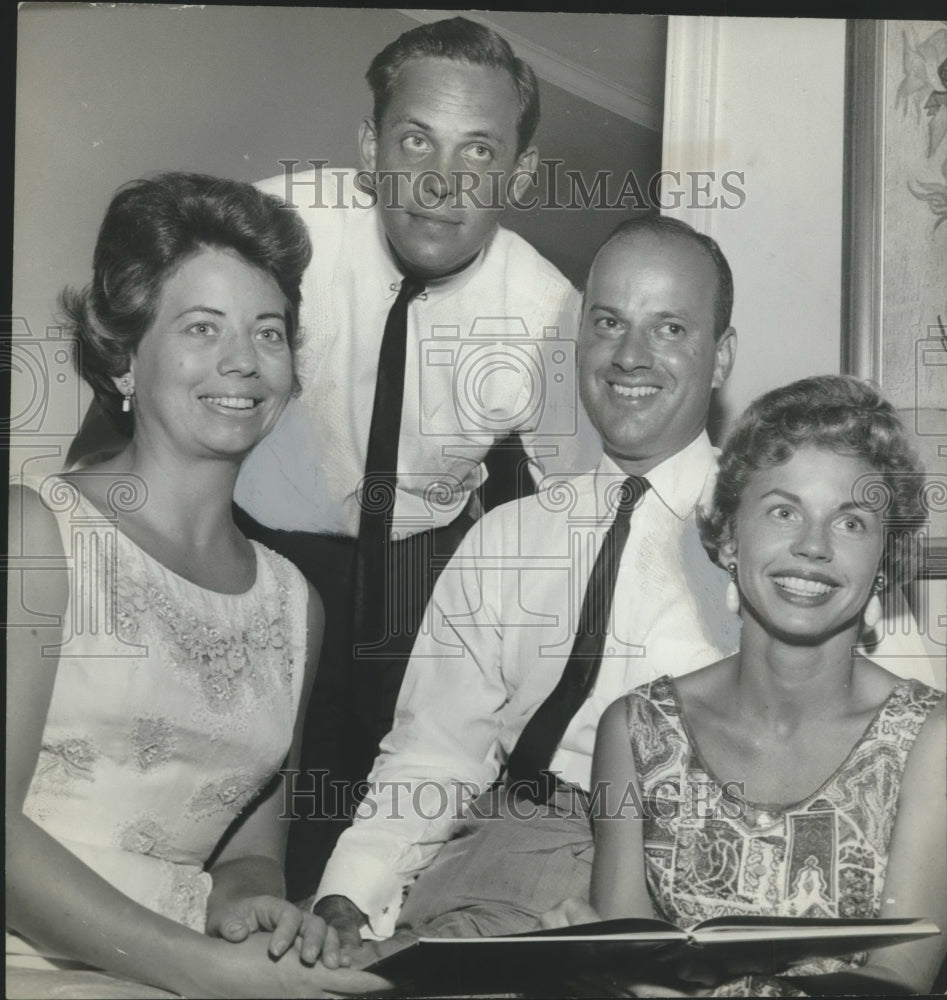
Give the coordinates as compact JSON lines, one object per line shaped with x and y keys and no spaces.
{"x":173,"y":707}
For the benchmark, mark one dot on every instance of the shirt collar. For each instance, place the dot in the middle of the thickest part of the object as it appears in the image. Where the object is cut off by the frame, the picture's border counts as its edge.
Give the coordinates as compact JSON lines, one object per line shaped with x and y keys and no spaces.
{"x":392,"y":275}
{"x":680,"y":482}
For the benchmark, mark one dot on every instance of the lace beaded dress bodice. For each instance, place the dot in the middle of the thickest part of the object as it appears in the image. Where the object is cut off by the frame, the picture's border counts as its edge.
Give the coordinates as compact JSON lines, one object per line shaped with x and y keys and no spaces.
{"x":173,"y":707}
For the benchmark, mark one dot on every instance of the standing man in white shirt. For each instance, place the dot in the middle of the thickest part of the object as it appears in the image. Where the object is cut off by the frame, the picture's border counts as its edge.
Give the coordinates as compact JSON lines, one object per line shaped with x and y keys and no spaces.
{"x":487,"y":349}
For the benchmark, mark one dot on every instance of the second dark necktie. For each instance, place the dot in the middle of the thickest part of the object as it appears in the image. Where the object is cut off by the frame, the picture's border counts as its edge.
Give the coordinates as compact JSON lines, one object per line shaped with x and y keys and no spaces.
{"x":532,"y":755}
{"x":381,"y":474}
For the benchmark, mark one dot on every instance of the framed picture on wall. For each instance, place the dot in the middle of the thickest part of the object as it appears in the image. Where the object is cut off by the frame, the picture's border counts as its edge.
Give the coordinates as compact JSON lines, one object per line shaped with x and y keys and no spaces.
{"x":895,"y":240}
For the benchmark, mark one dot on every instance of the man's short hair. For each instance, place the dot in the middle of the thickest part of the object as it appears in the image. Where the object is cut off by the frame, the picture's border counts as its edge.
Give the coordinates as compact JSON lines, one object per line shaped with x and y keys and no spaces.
{"x":662,"y":225}
{"x":463,"y":41}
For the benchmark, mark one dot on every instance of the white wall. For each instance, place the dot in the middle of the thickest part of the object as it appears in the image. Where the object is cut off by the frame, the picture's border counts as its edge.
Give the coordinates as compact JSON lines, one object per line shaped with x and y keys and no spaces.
{"x":765,"y":97}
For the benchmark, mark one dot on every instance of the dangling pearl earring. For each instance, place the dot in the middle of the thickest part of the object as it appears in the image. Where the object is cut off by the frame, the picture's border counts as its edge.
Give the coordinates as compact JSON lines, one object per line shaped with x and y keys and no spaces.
{"x":128,"y":390}
{"x":733,"y":594}
{"x":873,"y":613}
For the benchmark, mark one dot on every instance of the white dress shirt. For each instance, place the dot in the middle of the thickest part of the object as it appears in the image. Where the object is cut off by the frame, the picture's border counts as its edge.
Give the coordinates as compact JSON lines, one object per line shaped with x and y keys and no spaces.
{"x":490,"y":350}
{"x":494,"y":642}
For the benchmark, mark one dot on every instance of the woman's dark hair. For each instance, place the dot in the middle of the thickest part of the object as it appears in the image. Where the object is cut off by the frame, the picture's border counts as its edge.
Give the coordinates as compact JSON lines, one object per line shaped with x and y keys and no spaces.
{"x":838,"y":412}
{"x":463,"y":41}
{"x":152,"y":226}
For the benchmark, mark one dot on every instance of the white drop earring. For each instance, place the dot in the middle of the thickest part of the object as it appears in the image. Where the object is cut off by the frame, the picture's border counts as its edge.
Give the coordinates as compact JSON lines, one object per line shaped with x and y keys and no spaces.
{"x":873,"y":611}
{"x":127,"y":388}
{"x":733,"y":593}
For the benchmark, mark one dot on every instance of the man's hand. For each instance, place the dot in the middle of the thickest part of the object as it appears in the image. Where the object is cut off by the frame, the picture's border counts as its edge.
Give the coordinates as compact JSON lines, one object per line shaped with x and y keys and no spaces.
{"x":288,"y":923}
{"x":342,"y":915}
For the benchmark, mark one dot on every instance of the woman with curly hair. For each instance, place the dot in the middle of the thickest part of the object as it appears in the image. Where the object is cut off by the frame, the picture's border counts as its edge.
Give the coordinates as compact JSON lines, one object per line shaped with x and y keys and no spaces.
{"x":159,"y":678}
{"x":840,"y":764}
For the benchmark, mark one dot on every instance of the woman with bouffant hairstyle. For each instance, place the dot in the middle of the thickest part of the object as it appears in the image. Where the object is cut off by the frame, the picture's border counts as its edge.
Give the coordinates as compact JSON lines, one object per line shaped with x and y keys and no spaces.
{"x":845,"y":415}
{"x":150,"y":227}
{"x":162,"y":684}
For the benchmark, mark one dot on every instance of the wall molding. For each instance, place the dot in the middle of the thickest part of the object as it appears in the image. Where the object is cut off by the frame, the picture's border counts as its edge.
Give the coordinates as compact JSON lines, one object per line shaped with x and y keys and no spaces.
{"x":564,"y":73}
{"x":863,"y":212}
{"x":690,"y":104}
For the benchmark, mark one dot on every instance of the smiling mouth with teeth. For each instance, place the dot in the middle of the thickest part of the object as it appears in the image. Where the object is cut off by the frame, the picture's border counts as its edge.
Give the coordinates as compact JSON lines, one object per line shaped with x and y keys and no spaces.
{"x":232,"y":402}
{"x":802,"y":587}
{"x":634,"y":391}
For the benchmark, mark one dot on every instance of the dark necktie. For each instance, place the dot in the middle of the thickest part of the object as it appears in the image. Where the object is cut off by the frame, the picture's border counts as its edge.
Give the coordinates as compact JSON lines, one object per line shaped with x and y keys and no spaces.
{"x":532,"y":755}
{"x":381,"y":473}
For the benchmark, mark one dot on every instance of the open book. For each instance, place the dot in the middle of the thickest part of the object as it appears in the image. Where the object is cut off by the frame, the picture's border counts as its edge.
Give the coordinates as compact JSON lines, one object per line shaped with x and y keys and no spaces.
{"x":649,"y":950}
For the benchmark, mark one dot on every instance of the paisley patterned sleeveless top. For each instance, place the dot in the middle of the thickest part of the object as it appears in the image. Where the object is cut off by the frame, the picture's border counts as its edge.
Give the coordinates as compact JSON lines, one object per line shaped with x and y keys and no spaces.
{"x":710,"y":853}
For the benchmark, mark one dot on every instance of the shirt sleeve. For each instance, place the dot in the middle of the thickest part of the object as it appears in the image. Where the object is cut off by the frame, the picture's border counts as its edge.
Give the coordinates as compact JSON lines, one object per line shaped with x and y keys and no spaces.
{"x":442,"y":750}
{"x":564,"y":439}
